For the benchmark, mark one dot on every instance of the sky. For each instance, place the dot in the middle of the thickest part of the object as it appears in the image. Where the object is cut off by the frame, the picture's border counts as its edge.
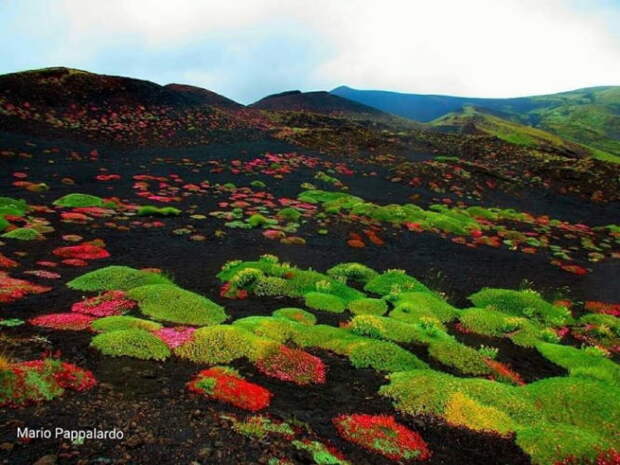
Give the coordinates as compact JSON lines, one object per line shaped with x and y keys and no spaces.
{"x":246,"y":49}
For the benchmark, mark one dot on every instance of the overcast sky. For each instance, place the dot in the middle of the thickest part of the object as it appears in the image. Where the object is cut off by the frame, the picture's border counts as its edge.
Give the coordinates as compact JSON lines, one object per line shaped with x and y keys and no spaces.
{"x":247,"y":49}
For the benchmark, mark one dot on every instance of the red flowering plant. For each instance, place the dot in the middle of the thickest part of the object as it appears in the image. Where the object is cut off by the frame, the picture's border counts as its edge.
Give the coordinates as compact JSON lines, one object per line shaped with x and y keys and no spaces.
{"x":6,"y":262}
{"x":74,"y":217}
{"x":383,"y":435}
{"x":83,"y":252}
{"x":43,"y":274}
{"x":608,"y":457}
{"x":503,"y":373}
{"x":77,"y":262}
{"x":227,"y":385}
{"x":63,"y":321}
{"x":67,"y":375}
{"x":294,"y":365}
{"x":107,"y":177}
{"x":12,"y":289}
{"x":107,"y":304}
{"x":572,"y":268}
{"x":231,"y":292}
{"x":98,"y":212}
{"x":27,"y":383}
{"x":603,"y":307}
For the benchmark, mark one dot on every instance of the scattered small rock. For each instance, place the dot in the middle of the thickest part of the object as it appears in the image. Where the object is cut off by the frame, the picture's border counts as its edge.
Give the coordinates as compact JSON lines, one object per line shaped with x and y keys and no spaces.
{"x":47,"y":460}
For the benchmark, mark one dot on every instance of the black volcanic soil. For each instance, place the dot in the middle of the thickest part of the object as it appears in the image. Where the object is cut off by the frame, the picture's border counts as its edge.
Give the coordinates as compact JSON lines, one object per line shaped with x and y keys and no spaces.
{"x":317,"y":102}
{"x":163,"y":424}
{"x":60,"y":86}
{"x":202,"y":96}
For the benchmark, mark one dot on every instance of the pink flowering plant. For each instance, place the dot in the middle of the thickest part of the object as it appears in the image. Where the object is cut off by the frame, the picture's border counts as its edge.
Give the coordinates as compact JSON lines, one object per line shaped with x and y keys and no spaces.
{"x":107,"y":304}
{"x":175,"y":337}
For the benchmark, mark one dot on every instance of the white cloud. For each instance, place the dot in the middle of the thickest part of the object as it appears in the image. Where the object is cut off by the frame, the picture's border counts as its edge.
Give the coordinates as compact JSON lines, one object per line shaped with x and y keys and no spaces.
{"x":477,"y":47}
{"x":473,"y":47}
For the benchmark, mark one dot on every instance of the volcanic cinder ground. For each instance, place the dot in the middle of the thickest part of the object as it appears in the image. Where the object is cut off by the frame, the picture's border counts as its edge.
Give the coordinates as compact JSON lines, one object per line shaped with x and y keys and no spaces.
{"x":150,"y":146}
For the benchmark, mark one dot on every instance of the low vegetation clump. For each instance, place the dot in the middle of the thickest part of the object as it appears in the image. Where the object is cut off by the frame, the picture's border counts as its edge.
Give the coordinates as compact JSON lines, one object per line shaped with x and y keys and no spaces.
{"x":383,"y":435}
{"x":270,"y":286}
{"x":320,"y":453}
{"x":598,"y":330}
{"x":12,"y":207}
{"x":412,"y":306}
{"x":289,"y":214}
{"x":23,"y":234}
{"x":553,"y":418}
{"x":489,"y":353}
{"x":438,"y":217}
{"x":281,"y":330}
{"x":452,"y":353}
{"x":379,"y":327}
{"x":167,"y":302}
{"x":368,"y":306}
{"x":382,"y":356}
{"x":26,"y":383}
{"x":297,"y":315}
{"x":490,"y":322}
{"x":363,"y":352}
{"x":293,"y":282}
{"x":581,"y":362}
{"x":81,"y":200}
{"x":394,"y":281}
{"x":526,"y":303}
{"x":226,"y":385}
{"x":260,"y":426}
{"x":325,"y":302}
{"x":151,"y":210}
{"x":133,"y":342}
{"x":326,"y":178}
{"x":116,"y":322}
{"x":115,"y":277}
{"x":304,"y":281}
{"x":411,"y":393}
{"x":530,"y":334}
{"x":587,"y":404}
{"x":293,"y":365}
{"x":224,"y":343}
{"x":550,"y":443}
{"x":461,"y":410}
{"x":258,"y":220}
{"x":355,"y":272}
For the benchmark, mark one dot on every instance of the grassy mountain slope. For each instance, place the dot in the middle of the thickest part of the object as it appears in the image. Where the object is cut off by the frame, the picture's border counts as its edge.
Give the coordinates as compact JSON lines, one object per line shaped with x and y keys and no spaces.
{"x":473,"y":120}
{"x":590,"y":116}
